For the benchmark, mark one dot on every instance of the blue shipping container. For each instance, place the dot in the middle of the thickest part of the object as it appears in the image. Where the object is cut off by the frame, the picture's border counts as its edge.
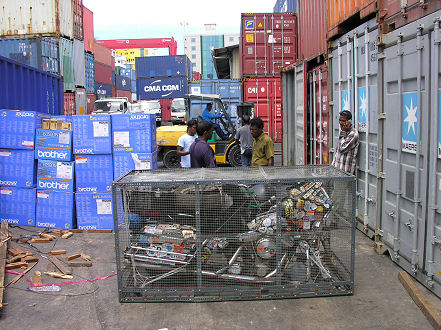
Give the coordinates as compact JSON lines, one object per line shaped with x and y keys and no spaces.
{"x":285,"y":6}
{"x":229,"y":90}
{"x":103,"y":90}
{"x":161,"y":88}
{"x":17,"y":168}
{"x":53,"y":144}
{"x":91,"y":135}
{"x":122,"y":163}
{"x":55,"y":209}
{"x":123,"y":83}
{"x":17,"y":206}
{"x":89,"y":63}
{"x":128,"y":72}
{"x":55,"y":175}
{"x":163,"y":66}
{"x":18,"y":128}
{"x":30,"y":89}
{"x":133,"y":87}
{"x":93,"y":173}
{"x":134,"y":133}
{"x":94,"y":211}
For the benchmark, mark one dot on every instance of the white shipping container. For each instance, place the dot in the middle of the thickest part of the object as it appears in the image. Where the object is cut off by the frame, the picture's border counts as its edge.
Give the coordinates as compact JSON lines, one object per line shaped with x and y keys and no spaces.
{"x":31,"y":17}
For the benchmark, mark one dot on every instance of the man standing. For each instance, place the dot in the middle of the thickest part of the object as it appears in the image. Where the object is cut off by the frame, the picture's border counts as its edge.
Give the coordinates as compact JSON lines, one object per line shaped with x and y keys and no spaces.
{"x":263,"y":145}
{"x":184,"y":143}
{"x":208,"y":116}
{"x":244,"y":137}
{"x":345,"y":157}
{"x":201,"y":154}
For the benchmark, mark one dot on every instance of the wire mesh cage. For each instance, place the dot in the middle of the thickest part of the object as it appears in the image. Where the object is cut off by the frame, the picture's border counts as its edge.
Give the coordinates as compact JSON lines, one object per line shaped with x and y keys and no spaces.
{"x":234,"y":233}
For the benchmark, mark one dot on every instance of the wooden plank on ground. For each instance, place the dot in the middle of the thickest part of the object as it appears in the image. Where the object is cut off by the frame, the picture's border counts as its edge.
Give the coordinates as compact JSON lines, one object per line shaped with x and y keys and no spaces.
{"x":57,"y":252}
{"x":16,"y":265}
{"x":80,"y":263}
{"x":99,"y":230}
{"x":3,"y":253}
{"x":76,"y":230}
{"x":60,"y":265}
{"x":73,"y":256}
{"x":420,"y":299}
{"x":15,"y":279}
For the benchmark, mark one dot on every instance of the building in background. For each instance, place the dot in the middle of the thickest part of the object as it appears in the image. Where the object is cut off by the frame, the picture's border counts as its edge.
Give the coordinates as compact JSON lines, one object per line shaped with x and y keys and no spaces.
{"x":199,"y":47}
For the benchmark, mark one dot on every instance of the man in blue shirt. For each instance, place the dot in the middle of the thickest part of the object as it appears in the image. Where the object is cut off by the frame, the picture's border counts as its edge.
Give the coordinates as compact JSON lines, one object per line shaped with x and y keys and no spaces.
{"x":201,"y":154}
{"x":208,"y":116}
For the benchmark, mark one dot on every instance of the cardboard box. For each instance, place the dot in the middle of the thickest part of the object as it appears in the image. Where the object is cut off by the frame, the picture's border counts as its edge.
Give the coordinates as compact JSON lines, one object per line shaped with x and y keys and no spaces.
{"x":122,"y":163}
{"x":53,"y":124}
{"x":92,"y":135}
{"x":55,"y":175}
{"x":93,"y":173}
{"x":17,"y":206}
{"x":94,"y":211}
{"x":17,"y":168}
{"x":53,"y":144}
{"x":55,"y":209}
{"x":18,"y":128}
{"x":46,"y":124}
{"x":134,"y":133}
{"x":66,"y":119}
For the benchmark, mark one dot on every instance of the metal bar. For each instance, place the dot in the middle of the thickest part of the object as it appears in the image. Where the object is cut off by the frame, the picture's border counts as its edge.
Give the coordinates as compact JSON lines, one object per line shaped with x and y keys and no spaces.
{"x":368,"y":110}
{"x":314,"y":116}
{"x":311,"y":122}
{"x":197,"y":201}
{"x":320,"y":126}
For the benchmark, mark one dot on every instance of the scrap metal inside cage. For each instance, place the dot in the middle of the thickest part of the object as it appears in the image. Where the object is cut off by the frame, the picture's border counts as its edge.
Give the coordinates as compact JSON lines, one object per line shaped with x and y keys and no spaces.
{"x":234,"y":233}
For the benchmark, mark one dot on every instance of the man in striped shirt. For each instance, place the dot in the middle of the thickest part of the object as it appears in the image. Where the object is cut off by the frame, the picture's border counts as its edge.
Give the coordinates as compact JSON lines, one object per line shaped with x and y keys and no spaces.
{"x":345,"y":157}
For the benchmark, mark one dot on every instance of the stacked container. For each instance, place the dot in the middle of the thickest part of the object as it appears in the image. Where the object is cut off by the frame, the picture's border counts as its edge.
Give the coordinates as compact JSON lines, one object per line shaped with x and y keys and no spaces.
{"x":123,"y":83}
{"x":104,"y":67}
{"x":89,"y":59}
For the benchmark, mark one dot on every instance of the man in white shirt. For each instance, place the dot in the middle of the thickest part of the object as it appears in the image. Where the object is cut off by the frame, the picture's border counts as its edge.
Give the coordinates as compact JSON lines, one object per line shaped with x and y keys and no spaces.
{"x":184,"y":143}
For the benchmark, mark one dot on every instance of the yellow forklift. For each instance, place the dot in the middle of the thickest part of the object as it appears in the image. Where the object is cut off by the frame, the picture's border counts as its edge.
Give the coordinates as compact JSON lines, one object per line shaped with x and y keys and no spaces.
{"x":226,"y":151}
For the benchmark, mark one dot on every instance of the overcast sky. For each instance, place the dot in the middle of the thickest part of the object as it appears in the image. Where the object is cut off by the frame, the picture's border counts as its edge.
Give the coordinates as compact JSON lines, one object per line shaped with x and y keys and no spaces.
{"x":133,"y":19}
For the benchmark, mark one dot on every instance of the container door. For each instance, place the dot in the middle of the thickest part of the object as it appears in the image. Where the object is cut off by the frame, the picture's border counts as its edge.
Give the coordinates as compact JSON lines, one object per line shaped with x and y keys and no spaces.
{"x":81,"y":101}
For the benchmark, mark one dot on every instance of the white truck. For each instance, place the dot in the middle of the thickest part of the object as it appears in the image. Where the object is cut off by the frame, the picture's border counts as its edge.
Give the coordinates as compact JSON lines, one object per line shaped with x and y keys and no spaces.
{"x":112,"y":106}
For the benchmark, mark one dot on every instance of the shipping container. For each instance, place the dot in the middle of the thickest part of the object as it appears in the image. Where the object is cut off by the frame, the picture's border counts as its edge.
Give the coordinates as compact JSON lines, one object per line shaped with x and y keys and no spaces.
{"x":286,"y":6}
{"x":166,"y":105}
{"x":67,"y":64}
{"x":133,"y":86}
{"x":163,"y":66}
{"x":103,"y":73}
{"x":123,"y":83}
{"x":35,"y":17}
{"x":312,"y":29}
{"x":348,"y":14}
{"x":208,"y":43}
{"x":88,"y":30}
{"x":128,"y":72}
{"x":40,"y":53}
{"x":161,"y":88}
{"x":77,"y":6}
{"x":27,"y":88}
{"x":122,"y":93}
{"x":197,"y":76}
{"x":79,"y":65}
{"x":103,"y":55}
{"x":69,"y":104}
{"x":90,"y":98}
{"x":229,"y":90}
{"x":80,"y":101}
{"x":266,"y":94}
{"x":268,"y":43}
{"x":89,"y":64}
{"x":103,"y":90}
{"x":394,"y":14}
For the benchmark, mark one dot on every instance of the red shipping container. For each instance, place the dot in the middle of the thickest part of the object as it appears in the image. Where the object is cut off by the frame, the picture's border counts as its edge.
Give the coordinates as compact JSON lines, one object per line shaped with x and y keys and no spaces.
{"x":317,"y":115}
{"x":268,"y":42}
{"x":266,"y":94}
{"x":103,"y":73}
{"x":121,"y":93}
{"x":91,"y":98}
{"x":88,"y":30}
{"x":103,"y":55}
{"x":312,"y":29}
{"x":77,"y":8}
{"x":197,"y":76}
{"x":69,"y":104}
{"x":166,"y":109}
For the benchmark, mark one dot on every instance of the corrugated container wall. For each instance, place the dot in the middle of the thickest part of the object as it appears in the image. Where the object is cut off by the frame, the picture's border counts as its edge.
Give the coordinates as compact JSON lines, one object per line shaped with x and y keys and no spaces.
{"x":69,"y":104}
{"x":207,"y":45}
{"x":89,"y":64}
{"x":79,"y":66}
{"x":78,"y":19}
{"x":103,"y":55}
{"x":91,"y":98}
{"x":103,"y":73}
{"x":161,"y":88}
{"x":27,"y":88}
{"x":80,"y":101}
{"x":286,"y":6}
{"x":88,"y":30}
{"x":67,"y":64}
{"x":103,"y":90}
{"x":391,"y":15}
{"x":268,"y":43}
{"x":163,"y":66}
{"x":40,"y":53}
{"x":312,"y":29}
{"x":341,"y":11}
{"x":36,"y":17}
{"x":122,"y":93}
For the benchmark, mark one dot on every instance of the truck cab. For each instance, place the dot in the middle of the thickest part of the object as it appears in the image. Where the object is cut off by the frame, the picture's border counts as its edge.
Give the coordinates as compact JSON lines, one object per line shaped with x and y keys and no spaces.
{"x":148,"y":107}
{"x":111,"y":106}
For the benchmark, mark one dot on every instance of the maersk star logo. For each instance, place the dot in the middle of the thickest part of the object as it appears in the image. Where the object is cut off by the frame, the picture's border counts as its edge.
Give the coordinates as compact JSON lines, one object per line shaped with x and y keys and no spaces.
{"x":345,"y":100}
{"x":410,"y":121}
{"x":362,"y":105}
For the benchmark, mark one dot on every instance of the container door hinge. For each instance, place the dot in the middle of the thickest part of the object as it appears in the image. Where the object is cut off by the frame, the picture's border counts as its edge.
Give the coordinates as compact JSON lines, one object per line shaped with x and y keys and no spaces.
{"x":331,"y":103}
{"x":381,"y":175}
{"x":379,"y":232}
{"x":382,"y":115}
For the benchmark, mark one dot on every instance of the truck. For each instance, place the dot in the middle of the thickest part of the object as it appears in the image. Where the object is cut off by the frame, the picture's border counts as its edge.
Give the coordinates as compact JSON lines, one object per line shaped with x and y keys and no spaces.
{"x":111,"y":106}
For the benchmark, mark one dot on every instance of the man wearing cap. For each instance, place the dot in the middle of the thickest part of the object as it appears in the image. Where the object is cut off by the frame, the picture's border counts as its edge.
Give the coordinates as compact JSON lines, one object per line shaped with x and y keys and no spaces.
{"x":345,"y":157}
{"x":208,"y":116}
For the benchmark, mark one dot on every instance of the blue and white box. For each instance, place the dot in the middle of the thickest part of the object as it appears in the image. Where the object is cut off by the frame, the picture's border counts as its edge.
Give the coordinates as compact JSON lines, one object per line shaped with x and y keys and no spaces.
{"x":17,"y":168}
{"x":134,"y":133}
{"x":17,"y":206}
{"x":94,"y":211}
{"x":93,"y":173}
{"x":53,"y":144}
{"x":122,"y":163}
{"x":92,"y":135}
{"x":66,"y":119}
{"x":55,"y":175}
{"x":18,"y":128}
{"x":55,"y":209}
